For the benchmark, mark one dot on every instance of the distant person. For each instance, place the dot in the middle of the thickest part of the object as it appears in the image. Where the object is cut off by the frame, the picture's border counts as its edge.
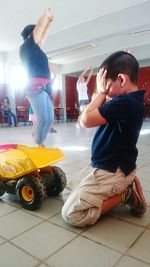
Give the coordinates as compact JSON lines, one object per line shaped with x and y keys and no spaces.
{"x":111,"y":179}
{"x":32,"y":118}
{"x":12,"y":120}
{"x":39,"y":89}
{"x":82,"y":88}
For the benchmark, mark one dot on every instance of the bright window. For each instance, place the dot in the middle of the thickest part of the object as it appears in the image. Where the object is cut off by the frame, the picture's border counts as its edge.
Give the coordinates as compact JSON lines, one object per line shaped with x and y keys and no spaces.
{"x":1,"y":73}
{"x":18,"y":77}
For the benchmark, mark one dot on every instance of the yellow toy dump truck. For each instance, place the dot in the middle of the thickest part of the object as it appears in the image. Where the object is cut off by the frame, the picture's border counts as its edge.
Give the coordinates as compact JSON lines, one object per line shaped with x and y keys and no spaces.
{"x":26,"y":172}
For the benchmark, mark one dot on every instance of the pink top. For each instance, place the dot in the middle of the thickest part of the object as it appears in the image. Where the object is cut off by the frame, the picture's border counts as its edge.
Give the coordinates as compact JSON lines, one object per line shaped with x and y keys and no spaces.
{"x":35,"y":85}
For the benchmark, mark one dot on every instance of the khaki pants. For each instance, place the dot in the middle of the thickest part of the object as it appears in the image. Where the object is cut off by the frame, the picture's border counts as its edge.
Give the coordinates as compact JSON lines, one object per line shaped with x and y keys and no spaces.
{"x":83,"y":203}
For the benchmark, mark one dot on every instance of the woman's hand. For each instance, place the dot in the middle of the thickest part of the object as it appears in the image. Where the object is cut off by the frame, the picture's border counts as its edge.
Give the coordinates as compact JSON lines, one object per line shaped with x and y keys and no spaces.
{"x":90,"y":67}
{"x":48,"y":13}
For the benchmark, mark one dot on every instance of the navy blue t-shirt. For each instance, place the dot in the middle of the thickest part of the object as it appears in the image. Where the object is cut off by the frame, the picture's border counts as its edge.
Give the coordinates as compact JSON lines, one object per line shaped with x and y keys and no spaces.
{"x":34,"y":59}
{"x":114,"y":144}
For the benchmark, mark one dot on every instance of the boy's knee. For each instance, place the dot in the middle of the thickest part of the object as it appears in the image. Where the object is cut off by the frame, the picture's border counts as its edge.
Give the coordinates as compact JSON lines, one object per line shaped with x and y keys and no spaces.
{"x":80,"y":218}
{"x":71,"y":217}
{"x":66,"y":215}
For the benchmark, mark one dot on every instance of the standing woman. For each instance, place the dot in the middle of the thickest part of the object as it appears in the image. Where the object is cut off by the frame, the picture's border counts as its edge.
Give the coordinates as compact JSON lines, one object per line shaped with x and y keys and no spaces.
{"x":82,"y":88}
{"x":38,"y":90}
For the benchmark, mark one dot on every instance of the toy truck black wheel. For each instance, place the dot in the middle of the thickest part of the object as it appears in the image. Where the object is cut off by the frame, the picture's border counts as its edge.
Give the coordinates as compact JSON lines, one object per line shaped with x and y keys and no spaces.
{"x":59,"y":182}
{"x":2,"y":188}
{"x":31,"y":192}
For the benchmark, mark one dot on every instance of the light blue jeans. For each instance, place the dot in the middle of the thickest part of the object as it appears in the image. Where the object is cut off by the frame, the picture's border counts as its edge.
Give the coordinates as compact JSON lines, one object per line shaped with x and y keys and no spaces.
{"x":43,"y":109}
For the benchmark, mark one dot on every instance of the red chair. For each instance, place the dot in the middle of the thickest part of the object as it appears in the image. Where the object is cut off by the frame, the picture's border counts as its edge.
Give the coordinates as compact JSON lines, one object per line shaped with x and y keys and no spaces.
{"x":22,"y":114}
{"x":72,"y":114}
{"x":59,"y":114}
{"x":3,"y":119}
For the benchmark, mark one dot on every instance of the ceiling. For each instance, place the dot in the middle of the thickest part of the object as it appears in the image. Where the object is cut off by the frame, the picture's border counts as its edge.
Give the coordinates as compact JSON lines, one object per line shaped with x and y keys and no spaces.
{"x":82,"y":30}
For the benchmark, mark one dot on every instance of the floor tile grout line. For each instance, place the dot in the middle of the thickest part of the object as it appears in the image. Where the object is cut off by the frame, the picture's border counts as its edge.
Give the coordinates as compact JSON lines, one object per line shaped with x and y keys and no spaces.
{"x":25,"y":251}
{"x":77,"y":234}
{"x":61,"y":248}
{"x":20,"y":248}
{"x":3,"y":242}
{"x":124,"y":253}
{"x":104,"y":245}
{"x":38,"y":265}
{"x":130,"y":256}
{"x":135,"y":241}
{"x":127,"y":221}
{"x":65,"y":228}
{"x":32,"y":227}
{"x":36,"y":215}
{"x":116,"y":263}
{"x":4,"y":215}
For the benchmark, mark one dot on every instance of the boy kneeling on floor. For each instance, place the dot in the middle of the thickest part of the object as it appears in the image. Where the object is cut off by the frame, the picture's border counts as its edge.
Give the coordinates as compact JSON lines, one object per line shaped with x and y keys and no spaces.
{"x":111,"y":178}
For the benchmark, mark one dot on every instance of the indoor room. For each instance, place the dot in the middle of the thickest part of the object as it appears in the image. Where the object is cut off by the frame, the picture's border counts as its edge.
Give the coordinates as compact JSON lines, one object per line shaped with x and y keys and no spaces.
{"x":75,"y":133}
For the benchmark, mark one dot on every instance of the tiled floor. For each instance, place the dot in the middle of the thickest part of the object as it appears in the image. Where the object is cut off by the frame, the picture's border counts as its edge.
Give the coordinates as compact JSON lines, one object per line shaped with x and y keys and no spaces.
{"x":41,"y":238}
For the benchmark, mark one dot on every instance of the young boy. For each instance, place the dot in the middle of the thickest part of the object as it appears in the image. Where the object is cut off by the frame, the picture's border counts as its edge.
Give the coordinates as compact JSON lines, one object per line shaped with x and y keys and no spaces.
{"x":110,"y":180}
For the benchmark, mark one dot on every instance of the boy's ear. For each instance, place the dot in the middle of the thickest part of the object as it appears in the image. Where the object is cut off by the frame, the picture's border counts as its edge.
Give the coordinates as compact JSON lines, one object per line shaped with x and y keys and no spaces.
{"x":122,"y":78}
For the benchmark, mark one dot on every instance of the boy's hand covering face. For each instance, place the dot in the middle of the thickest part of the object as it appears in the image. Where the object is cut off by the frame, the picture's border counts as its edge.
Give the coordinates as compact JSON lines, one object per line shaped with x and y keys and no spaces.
{"x":102,"y":84}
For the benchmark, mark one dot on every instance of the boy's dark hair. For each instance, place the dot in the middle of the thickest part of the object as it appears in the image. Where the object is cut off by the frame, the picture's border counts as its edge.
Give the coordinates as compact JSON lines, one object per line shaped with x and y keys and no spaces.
{"x":27,"y":31}
{"x":121,"y":62}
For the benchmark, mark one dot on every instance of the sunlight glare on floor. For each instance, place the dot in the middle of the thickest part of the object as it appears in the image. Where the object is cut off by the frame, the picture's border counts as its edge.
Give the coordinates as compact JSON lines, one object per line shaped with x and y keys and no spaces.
{"x":144,"y":131}
{"x":74,"y":148}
